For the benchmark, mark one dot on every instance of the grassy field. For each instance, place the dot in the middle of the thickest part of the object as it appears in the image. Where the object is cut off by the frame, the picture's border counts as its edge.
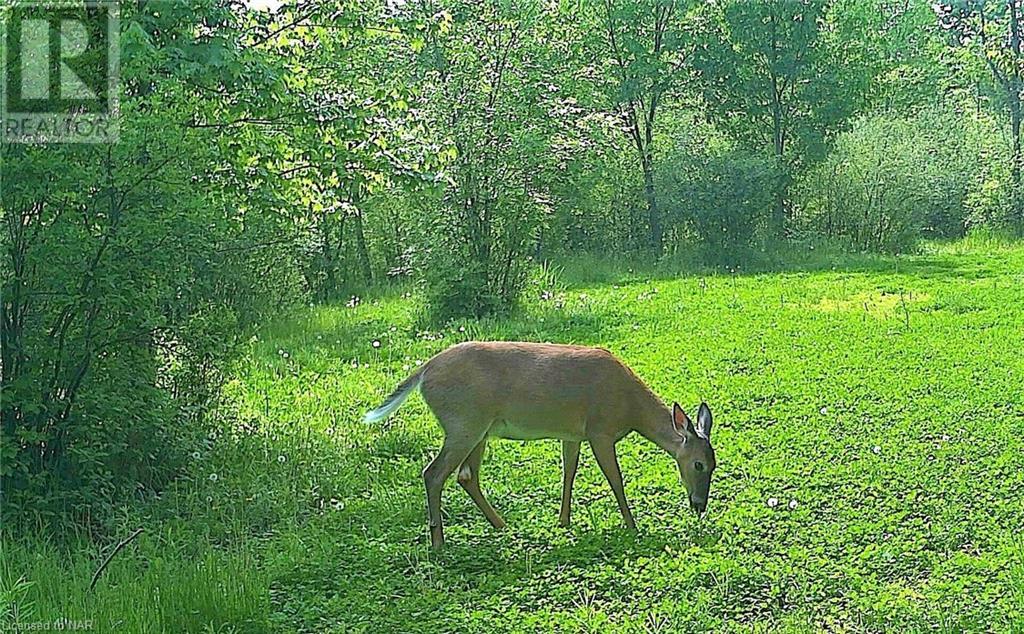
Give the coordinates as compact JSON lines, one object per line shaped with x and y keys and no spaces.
{"x":869,"y":427}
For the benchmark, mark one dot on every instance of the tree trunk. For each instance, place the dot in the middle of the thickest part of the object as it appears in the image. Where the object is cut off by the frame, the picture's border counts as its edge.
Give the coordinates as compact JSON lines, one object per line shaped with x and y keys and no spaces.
{"x":325,"y":285}
{"x":778,"y":219}
{"x":653,"y":213}
{"x":1015,"y":165}
{"x":1014,"y":85}
{"x":361,"y":251}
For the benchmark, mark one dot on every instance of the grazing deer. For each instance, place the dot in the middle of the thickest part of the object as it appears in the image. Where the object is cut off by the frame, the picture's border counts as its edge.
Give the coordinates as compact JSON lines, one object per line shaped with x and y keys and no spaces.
{"x":528,"y":391}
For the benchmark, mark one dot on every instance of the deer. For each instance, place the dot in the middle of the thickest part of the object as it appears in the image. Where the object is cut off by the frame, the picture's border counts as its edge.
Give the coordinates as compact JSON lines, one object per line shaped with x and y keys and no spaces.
{"x":532,"y":391}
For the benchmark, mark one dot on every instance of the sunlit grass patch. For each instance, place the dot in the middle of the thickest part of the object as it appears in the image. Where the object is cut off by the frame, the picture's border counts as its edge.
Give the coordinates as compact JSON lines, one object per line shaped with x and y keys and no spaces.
{"x":877,"y":304}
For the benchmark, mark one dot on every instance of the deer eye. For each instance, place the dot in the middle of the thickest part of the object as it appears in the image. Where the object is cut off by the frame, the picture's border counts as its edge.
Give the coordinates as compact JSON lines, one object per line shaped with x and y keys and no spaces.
{"x":699,"y":466}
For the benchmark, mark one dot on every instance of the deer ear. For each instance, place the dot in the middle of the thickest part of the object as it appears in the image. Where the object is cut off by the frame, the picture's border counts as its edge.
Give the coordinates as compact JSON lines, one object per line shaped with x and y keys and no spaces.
{"x":681,"y":422}
{"x":704,"y":421}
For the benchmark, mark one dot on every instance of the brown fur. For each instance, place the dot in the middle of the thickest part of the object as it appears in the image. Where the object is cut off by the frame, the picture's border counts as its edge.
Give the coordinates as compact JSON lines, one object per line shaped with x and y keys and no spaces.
{"x":530,"y":391}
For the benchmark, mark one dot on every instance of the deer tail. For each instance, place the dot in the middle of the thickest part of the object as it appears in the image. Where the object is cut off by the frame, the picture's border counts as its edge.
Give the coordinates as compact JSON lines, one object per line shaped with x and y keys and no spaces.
{"x":393,"y":402}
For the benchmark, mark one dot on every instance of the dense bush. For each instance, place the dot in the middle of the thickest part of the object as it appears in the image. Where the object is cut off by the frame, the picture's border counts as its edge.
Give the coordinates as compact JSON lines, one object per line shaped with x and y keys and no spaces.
{"x":722,"y":194}
{"x":478,"y":259}
{"x":127,"y":281}
{"x":483,"y":227}
{"x":889,"y":182}
{"x":597,"y":200}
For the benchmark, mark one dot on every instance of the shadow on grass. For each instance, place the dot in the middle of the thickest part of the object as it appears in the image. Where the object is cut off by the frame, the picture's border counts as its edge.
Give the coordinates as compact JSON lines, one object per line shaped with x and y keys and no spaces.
{"x":936,"y":261}
{"x":391,"y":579}
{"x":384,"y":336}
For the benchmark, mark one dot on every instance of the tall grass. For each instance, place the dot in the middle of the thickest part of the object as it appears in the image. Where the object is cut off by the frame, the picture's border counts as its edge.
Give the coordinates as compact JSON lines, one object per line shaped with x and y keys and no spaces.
{"x":154,"y":585}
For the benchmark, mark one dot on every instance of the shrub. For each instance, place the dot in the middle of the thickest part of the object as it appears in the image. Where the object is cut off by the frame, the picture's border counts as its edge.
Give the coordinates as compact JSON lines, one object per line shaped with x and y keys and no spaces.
{"x":129,"y":273}
{"x":476,"y":269}
{"x":889,"y":182}
{"x":723,"y":195}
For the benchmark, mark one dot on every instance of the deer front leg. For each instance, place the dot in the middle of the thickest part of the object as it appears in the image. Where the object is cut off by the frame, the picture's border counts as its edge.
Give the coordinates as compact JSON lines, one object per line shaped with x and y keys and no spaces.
{"x":570,"y":460}
{"x":604,"y":451}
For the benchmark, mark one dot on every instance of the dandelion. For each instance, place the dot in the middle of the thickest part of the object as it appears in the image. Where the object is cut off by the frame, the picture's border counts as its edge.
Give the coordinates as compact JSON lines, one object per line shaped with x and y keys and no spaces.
{"x":406,"y":366}
{"x":376,"y":343}
{"x":876,"y":449}
{"x":419,"y":362}
{"x":773,"y":502}
{"x":462,"y":329}
{"x":792,"y":504}
{"x":213,"y":477}
{"x":285,"y":355}
{"x":280,"y":351}
{"x":824,"y":410}
{"x":281,"y":459}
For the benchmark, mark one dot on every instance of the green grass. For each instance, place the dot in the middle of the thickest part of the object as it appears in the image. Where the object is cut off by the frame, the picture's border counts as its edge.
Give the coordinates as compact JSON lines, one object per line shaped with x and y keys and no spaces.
{"x":882,"y":399}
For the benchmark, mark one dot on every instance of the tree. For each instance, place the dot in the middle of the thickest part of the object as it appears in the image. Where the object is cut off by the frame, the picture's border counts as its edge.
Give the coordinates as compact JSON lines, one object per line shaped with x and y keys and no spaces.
{"x":347,"y":123}
{"x":130,"y":271}
{"x":487,"y":80}
{"x":642,"y":50}
{"x":776,"y":74}
{"x":992,"y":30}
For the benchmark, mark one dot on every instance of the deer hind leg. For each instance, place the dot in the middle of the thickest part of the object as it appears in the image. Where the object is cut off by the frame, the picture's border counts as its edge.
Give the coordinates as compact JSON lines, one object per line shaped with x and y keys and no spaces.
{"x":469,"y":478}
{"x":457,"y":447}
{"x":570,"y":460}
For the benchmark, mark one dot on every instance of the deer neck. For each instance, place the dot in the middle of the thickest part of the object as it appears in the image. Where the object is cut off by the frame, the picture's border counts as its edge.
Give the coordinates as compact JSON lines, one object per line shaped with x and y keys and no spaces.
{"x":655,"y":424}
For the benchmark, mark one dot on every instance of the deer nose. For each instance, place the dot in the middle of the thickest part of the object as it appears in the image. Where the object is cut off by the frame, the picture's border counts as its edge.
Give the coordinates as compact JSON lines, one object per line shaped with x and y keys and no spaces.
{"x":698,"y":505}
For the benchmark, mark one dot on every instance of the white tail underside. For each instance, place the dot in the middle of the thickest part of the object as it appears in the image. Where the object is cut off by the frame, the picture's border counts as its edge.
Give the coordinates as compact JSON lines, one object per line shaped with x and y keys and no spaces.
{"x":393,"y":403}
